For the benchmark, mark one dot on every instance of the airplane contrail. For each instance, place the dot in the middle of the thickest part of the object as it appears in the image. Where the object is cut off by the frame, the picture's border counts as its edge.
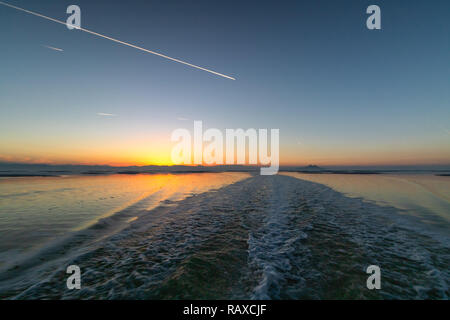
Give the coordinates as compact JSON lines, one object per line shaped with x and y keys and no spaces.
{"x":53,"y":48}
{"x":106,"y":114}
{"x":118,"y":41}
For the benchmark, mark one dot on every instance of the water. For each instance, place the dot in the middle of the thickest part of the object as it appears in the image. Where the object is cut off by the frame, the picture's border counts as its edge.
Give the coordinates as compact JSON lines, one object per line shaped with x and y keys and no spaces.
{"x":35,"y":211}
{"x":225,"y":236}
{"x":423,"y":195}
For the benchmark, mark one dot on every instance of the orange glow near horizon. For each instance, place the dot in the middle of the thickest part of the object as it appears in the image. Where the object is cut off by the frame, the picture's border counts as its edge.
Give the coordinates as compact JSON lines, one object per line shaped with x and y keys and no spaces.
{"x":163,"y":159}
{"x":140,"y":152}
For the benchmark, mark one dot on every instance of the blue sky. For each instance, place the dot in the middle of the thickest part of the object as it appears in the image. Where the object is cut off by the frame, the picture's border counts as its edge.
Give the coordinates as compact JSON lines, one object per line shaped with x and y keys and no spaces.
{"x":338,"y":92}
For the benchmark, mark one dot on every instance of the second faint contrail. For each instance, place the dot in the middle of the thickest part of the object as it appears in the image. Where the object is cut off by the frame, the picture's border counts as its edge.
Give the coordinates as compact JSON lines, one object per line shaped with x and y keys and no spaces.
{"x":53,"y":48}
{"x":118,"y":41}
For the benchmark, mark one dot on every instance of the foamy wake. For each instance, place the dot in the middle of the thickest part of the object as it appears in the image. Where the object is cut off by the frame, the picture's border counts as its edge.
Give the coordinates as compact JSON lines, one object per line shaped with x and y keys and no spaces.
{"x":266,"y":237}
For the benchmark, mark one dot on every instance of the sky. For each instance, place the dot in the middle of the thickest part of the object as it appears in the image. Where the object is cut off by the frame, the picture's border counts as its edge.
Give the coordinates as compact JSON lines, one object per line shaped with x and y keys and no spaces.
{"x":340,"y":94}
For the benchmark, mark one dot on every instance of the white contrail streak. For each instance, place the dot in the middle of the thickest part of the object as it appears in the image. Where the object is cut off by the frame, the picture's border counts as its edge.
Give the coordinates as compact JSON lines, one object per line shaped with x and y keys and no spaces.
{"x":118,"y":41}
{"x":54,"y":48}
{"x":106,"y":114}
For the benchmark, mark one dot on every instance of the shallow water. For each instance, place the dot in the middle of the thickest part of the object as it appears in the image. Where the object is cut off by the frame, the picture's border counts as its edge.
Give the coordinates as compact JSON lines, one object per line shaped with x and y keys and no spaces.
{"x":262,"y":237}
{"x":422,"y":195}
{"x":36,"y":211}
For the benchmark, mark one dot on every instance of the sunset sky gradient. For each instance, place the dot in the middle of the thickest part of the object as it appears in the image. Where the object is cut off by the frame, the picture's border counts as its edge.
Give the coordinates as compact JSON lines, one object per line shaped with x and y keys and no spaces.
{"x":339,"y":93}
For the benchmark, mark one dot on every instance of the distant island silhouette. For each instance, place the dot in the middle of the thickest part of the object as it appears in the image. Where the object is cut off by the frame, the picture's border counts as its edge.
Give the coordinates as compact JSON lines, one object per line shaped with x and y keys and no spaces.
{"x":50,"y":170}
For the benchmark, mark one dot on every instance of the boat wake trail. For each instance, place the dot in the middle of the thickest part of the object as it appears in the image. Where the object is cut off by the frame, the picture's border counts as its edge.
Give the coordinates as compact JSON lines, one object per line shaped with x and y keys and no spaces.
{"x":265,"y":237}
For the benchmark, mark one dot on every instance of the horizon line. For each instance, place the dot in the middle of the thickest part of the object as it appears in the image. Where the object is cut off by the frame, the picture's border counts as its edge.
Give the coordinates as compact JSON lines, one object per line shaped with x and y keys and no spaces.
{"x":221,"y":165}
